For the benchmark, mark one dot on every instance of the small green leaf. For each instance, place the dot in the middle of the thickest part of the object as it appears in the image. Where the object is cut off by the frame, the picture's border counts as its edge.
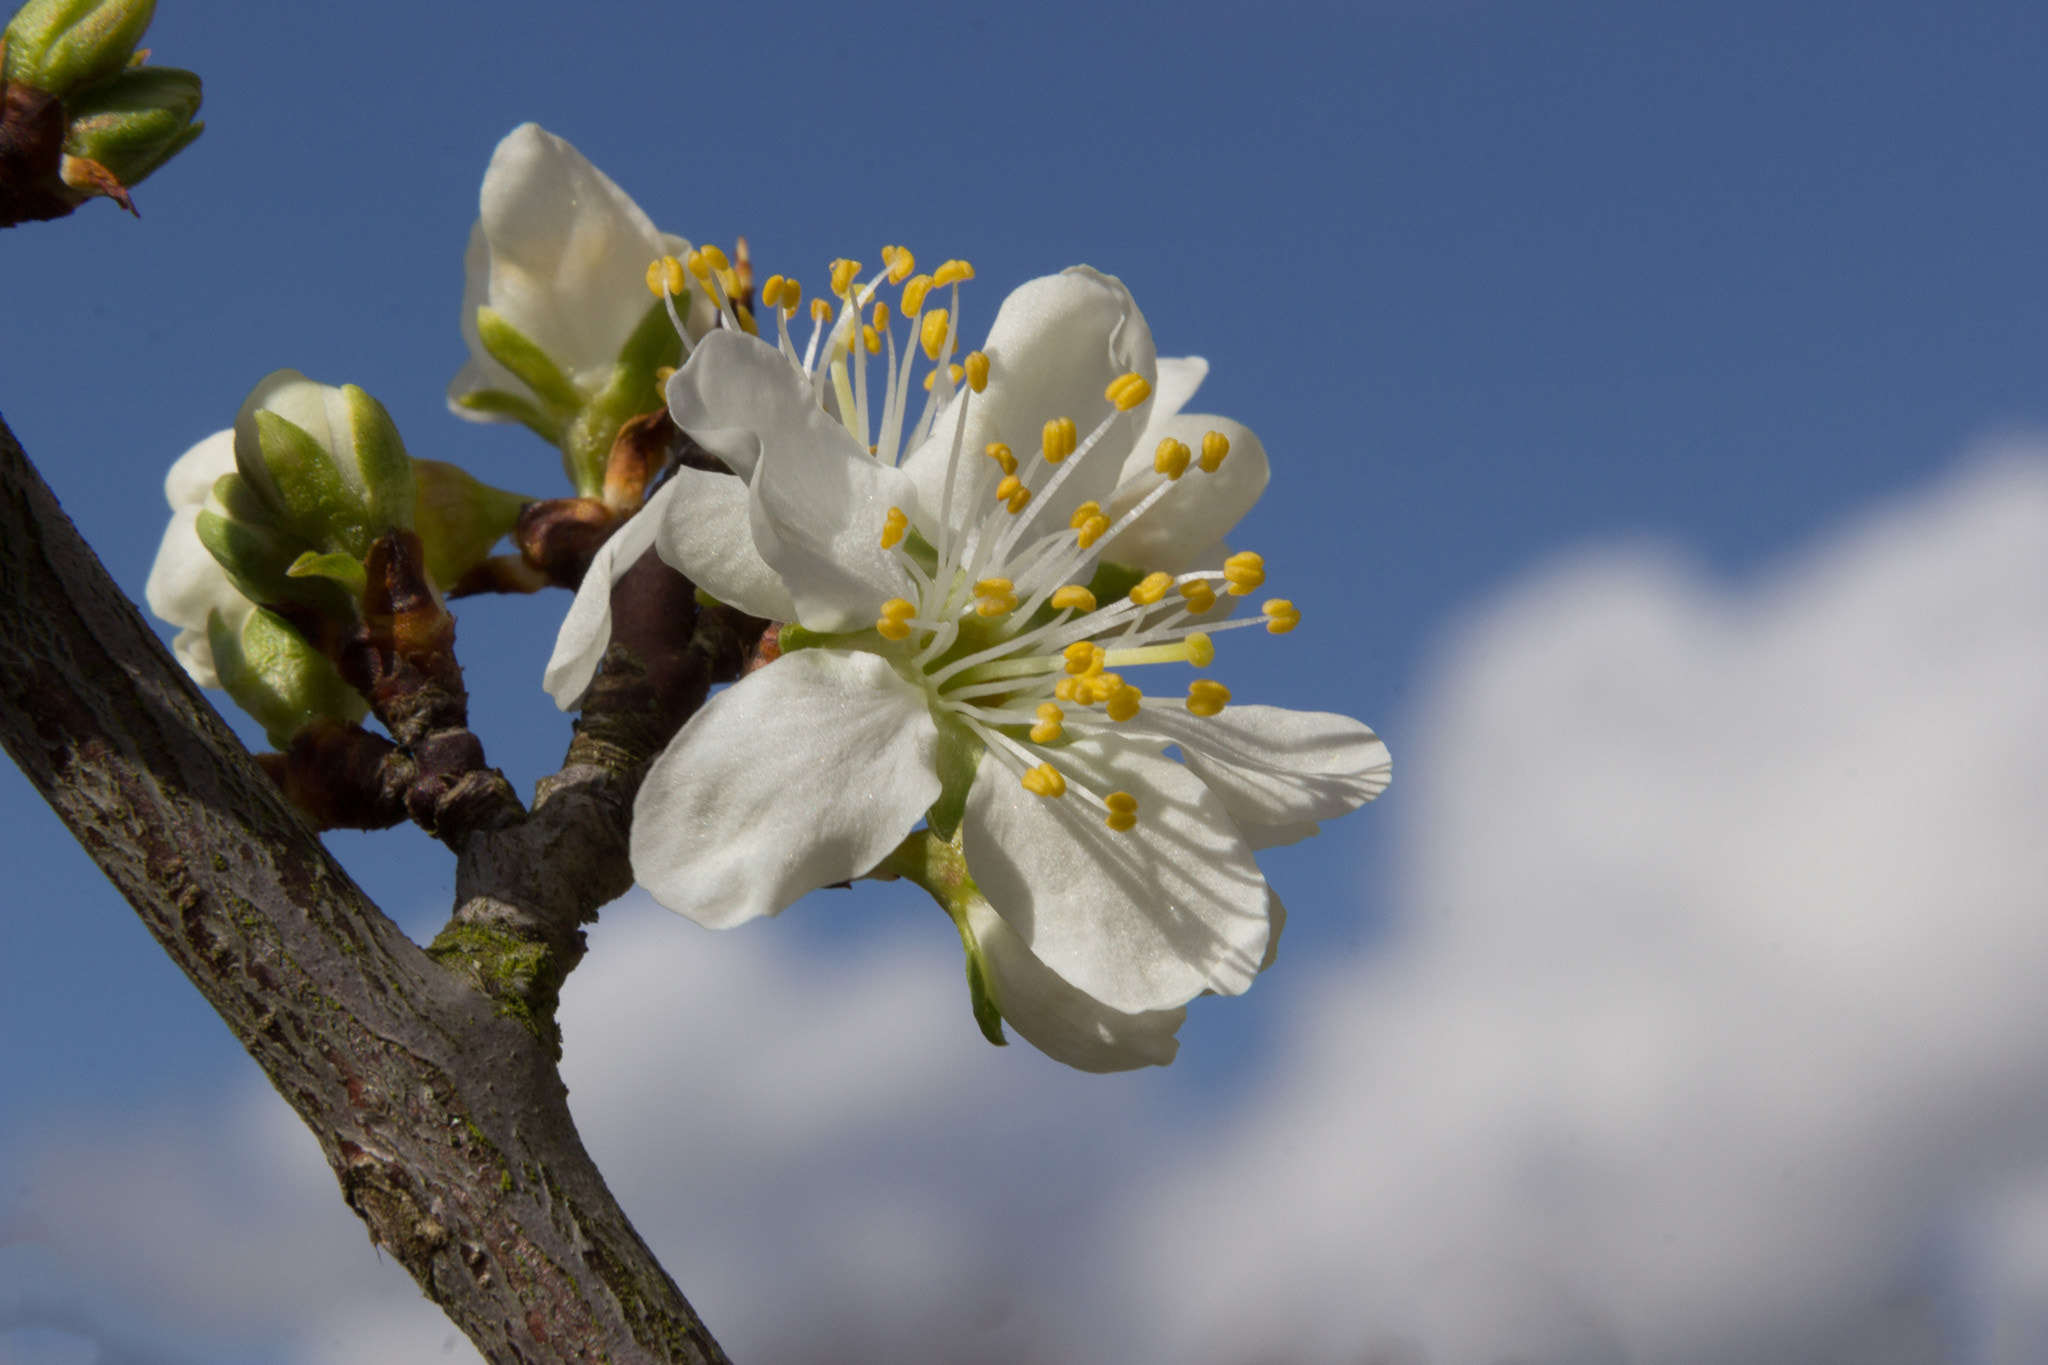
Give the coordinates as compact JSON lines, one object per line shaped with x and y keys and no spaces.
{"x":346,"y":570}
{"x":517,"y":352}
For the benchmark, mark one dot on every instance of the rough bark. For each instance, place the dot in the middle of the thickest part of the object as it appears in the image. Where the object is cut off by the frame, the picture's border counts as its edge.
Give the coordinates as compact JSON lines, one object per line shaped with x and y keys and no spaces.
{"x":428,"y":1079}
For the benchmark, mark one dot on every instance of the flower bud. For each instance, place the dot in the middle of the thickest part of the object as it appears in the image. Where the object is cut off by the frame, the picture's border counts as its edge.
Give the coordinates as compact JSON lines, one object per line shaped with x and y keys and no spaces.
{"x":277,"y":677}
{"x":64,"y":45}
{"x":129,"y":126}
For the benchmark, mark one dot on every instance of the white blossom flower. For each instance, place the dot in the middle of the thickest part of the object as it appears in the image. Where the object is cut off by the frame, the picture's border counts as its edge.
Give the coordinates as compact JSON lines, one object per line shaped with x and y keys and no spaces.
{"x":559,"y":254}
{"x":950,"y":663}
{"x":186,"y":583}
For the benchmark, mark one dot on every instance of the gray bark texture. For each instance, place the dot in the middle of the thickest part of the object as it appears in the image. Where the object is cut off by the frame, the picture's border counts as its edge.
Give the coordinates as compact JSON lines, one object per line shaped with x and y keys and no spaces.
{"x":428,"y":1076}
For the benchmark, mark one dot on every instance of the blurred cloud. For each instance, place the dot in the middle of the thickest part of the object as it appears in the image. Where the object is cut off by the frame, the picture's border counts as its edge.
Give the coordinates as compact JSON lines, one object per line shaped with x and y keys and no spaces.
{"x":1711,"y":1027}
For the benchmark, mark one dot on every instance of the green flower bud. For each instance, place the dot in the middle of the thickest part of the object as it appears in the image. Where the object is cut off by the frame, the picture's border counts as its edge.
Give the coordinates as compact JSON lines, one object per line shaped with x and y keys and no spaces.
{"x":459,"y":518}
{"x":65,"y":45}
{"x":132,"y":124}
{"x":278,"y":678}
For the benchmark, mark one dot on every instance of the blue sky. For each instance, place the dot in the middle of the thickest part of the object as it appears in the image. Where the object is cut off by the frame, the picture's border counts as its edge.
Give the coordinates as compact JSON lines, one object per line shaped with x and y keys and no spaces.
{"x":1494,"y":281}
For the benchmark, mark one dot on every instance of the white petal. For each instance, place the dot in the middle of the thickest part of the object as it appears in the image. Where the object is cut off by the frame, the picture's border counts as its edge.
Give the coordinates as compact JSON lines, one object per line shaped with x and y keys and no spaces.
{"x":1179,"y":377}
{"x":1056,"y":344}
{"x":1200,"y":508}
{"x":193,"y":475}
{"x":587,"y":630}
{"x":1275,"y":767}
{"x":480,"y":371}
{"x":707,"y":536}
{"x":317,"y":409}
{"x":186,"y":583}
{"x":1065,"y":1024}
{"x":1261,"y":837}
{"x":1141,"y":920}
{"x":567,"y":254}
{"x":194,"y":649}
{"x":805,"y":773}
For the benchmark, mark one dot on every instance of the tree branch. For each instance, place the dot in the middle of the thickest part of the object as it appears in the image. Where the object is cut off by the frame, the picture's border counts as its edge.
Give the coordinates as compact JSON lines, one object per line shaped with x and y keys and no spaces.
{"x":439,"y":1108}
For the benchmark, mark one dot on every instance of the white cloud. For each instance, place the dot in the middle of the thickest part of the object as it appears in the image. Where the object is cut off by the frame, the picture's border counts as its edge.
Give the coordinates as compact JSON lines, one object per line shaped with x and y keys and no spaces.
{"x":1713,"y":1027}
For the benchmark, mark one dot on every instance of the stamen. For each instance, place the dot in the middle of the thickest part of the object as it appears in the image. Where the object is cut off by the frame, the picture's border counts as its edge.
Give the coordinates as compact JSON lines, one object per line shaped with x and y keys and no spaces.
{"x":1123,"y":703}
{"x":792,"y":294}
{"x":1197,"y":649}
{"x":912,"y":301}
{"x":1171,"y":459}
{"x":893,"y":527}
{"x":1073,"y":597}
{"x":821,"y":311}
{"x":955,"y":371}
{"x":894,"y":622}
{"x":665,"y":276}
{"x":1091,"y":530}
{"x":1049,"y":725}
{"x":932,"y":335}
{"x":1201,"y":598}
{"x":771,"y":292}
{"x":952,"y":272}
{"x":714,"y":258}
{"x":995,"y":597}
{"x":1243,"y":572}
{"x":1000,"y":453}
{"x":1151,"y":589}
{"x":1045,"y":780}
{"x":871,"y":339}
{"x":1128,"y":390}
{"x":900,"y":263}
{"x":977,"y":369}
{"x":843,"y":274}
{"x":1207,"y":698}
{"x":1123,"y":811}
{"x":1059,"y":440}
{"x":1083,"y":657}
{"x":1215,"y":446}
{"x":1281,"y":616}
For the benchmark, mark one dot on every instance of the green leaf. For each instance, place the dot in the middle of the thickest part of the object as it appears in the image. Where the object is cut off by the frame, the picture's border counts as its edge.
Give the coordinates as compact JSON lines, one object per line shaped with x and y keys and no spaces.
{"x":346,"y":570}
{"x":66,"y":45}
{"x":514,"y":350}
{"x":499,"y":403}
{"x":460,"y":518}
{"x":381,"y":459}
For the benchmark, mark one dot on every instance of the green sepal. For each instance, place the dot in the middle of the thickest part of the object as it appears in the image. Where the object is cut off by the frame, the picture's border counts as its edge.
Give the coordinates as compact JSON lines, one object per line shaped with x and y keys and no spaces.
{"x":499,"y":403}
{"x":277,"y":677}
{"x":629,"y":392}
{"x":258,"y":561}
{"x":305,"y":487}
{"x":1113,"y":580}
{"x":136,"y":121}
{"x":386,"y":470}
{"x":460,"y":518}
{"x":66,"y":45}
{"x":940,"y":867}
{"x":517,"y":352}
{"x":981,"y":991}
{"x":959,"y":758}
{"x":346,"y":570}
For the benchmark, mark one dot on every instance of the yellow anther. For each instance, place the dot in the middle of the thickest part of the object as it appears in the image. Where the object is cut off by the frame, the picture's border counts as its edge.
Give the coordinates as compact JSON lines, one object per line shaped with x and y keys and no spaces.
{"x":977,"y":371}
{"x":792,"y":294}
{"x":932,"y":332}
{"x":894,"y":622}
{"x":821,"y":311}
{"x":843,"y":274}
{"x":1215,"y":445}
{"x":871,"y":339}
{"x":1171,"y":459}
{"x":771,"y":292}
{"x":1080,"y":657}
{"x":1151,"y":589}
{"x":1123,"y":811}
{"x":1201,"y":649}
{"x":1049,"y":726}
{"x":1281,"y":616}
{"x":899,"y":608}
{"x":881,"y":313}
{"x":1045,"y":780}
{"x":913,"y":295}
{"x":1083,"y":513}
{"x":1128,"y":390}
{"x":954,"y":371}
{"x":1206,"y":698}
{"x":1092,"y":530}
{"x":731,"y":280}
{"x":1000,"y":453}
{"x":893,"y":527}
{"x":1073,"y":597}
{"x":1008,"y":488}
{"x":699,"y":267}
{"x":892,"y":630}
{"x":900,"y":263}
{"x":662,"y":374}
{"x":952,"y":272}
{"x":994,"y":587}
{"x":1200,"y":596}
{"x":1123,"y":703}
{"x":1059,"y":439}
{"x":990,"y":607}
{"x":746,"y":320}
{"x":665,"y":276}
{"x":714,"y":258}
{"x":1243,"y":572}
{"x":1100,"y":687}
{"x":1019,"y":500}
